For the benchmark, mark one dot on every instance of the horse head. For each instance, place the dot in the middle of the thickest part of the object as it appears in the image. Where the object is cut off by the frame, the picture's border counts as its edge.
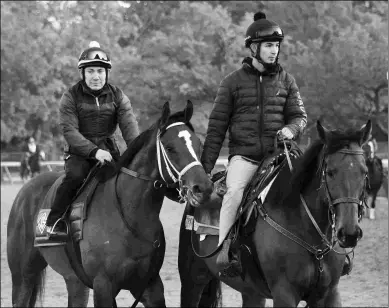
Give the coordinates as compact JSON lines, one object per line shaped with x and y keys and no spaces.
{"x":178,"y":153}
{"x":343,"y":180}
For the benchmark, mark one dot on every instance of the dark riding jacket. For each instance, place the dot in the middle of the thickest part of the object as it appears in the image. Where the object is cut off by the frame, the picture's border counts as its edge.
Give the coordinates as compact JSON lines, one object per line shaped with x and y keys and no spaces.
{"x":253,"y":106}
{"x":88,"y":122}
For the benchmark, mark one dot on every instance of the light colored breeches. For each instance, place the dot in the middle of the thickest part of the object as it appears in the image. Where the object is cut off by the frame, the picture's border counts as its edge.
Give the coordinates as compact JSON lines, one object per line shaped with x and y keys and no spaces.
{"x":239,"y":173}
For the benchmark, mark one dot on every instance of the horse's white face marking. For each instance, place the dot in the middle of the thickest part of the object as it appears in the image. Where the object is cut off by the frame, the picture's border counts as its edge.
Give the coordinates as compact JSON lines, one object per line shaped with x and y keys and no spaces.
{"x":186,"y":135}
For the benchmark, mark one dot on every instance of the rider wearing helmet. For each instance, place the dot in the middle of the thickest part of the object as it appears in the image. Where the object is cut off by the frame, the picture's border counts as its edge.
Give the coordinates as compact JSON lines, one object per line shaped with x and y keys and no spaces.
{"x":90,"y":111}
{"x":254,"y":103}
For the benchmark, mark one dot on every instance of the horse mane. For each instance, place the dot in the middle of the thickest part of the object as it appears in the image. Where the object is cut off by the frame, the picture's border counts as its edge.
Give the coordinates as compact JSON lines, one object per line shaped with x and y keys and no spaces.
{"x":310,"y":162}
{"x":111,"y":169}
{"x":307,"y":166}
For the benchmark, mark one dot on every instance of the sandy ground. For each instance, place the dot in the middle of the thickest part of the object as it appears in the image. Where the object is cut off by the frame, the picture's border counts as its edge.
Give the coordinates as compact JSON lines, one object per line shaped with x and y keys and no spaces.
{"x":367,"y":286}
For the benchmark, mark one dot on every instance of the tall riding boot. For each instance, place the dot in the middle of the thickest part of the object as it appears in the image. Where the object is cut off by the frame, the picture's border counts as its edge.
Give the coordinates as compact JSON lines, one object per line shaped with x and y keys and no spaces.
{"x":227,"y":218}
{"x":55,"y":228}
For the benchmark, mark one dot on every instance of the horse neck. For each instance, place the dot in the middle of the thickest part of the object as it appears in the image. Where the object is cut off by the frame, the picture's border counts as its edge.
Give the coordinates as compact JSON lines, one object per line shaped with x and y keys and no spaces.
{"x":140,"y":202}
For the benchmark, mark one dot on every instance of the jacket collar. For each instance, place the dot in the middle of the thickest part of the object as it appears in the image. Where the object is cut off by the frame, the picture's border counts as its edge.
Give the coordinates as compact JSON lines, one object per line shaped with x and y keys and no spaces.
{"x":248,"y":66}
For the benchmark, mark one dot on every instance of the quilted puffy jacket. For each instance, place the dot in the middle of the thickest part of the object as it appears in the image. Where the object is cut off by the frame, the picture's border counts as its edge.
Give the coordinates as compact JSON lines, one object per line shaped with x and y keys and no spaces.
{"x":253,"y":107}
{"x":88,"y":122}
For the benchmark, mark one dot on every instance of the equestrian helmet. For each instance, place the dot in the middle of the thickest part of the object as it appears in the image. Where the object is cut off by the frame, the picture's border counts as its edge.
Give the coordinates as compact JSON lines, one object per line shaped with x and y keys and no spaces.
{"x":94,"y":56}
{"x":262,"y":30}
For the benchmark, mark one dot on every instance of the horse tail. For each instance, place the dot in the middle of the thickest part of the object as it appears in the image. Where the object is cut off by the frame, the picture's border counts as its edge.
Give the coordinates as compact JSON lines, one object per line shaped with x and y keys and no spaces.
{"x":38,"y":287}
{"x":26,"y":263}
{"x":212,"y":294}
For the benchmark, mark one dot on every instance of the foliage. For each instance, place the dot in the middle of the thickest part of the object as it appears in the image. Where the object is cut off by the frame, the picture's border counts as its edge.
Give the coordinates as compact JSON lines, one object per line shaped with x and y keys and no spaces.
{"x":179,"y":50}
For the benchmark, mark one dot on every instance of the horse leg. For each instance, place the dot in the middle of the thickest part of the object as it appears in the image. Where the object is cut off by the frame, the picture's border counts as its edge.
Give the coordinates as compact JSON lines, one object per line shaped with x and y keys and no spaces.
{"x":192,"y":293}
{"x":284,"y":295}
{"x":332,"y":299}
{"x":369,"y":200}
{"x":27,"y":284}
{"x":102,"y":291}
{"x":253,"y":300}
{"x":372,"y":210}
{"x":78,"y":293}
{"x":153,"y":295}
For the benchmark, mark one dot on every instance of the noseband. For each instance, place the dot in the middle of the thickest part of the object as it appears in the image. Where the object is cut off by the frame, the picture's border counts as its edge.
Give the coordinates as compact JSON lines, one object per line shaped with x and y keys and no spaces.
{"x":332,"y":202}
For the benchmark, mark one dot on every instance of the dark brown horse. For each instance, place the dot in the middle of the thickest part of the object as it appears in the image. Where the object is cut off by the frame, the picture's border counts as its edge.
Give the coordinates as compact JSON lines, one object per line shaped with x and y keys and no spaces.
{"x":30,"y":165}
{"x":123,"y":245}
{"x":296,"y":249}
{"x":376,"y":178}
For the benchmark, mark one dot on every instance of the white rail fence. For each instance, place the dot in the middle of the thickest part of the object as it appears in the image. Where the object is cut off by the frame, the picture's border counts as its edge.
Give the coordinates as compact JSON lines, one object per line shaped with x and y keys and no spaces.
{"x":6,"y":165}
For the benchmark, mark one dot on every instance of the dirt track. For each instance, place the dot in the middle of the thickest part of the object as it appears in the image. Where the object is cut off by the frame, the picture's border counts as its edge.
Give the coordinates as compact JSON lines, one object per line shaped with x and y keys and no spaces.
{"x":367,"y":286}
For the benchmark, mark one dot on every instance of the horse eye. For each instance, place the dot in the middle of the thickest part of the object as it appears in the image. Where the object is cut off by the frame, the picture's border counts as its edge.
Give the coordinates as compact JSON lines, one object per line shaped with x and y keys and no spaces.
{"x":169,"y":149}
{"x":331,"y":173}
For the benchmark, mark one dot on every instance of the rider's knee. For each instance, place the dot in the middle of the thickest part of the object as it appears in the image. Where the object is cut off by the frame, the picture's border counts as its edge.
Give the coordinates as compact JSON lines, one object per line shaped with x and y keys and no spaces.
{"x":75,"y":175}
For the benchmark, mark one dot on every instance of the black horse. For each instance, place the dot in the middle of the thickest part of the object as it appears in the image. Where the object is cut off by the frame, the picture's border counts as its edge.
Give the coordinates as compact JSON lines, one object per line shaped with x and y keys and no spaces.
{"x":123,"y":245}
{"x":294,"y":249}
{"x":30,"y":165}
{"x":376,"y":178}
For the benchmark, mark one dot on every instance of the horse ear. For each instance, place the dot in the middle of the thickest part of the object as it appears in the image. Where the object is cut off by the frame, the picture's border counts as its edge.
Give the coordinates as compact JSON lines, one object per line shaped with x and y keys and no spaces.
{"x":323,"y":132}
{"x":188,"y":111}
{"x":366,"y":132}
{"x":165,"y":114}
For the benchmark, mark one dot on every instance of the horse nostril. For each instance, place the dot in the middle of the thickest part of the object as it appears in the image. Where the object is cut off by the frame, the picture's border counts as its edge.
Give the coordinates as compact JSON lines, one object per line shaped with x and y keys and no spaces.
{"x":341,"y":235}
{"x":196,"y":189}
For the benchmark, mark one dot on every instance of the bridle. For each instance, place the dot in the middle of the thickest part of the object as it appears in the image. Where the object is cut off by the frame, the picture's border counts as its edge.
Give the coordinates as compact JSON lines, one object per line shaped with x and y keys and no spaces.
{"x":329,"y":244}
{"x":332,"y":202}
{"x":164,"y":160}
{"x":176,"y":178}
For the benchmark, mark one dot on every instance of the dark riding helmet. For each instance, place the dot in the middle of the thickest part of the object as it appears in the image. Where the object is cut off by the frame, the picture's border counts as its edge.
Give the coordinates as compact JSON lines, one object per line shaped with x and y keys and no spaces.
{"x":263,"y":29}
{"x":94,"y":56}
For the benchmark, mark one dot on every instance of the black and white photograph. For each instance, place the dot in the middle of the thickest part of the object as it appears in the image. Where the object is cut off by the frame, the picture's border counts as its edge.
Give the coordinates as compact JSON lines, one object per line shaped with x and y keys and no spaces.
{"x":194,"y":153}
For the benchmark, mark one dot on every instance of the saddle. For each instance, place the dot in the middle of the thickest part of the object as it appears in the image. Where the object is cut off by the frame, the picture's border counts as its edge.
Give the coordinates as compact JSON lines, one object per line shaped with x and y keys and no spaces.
{"x":205,"y":221}
{"x":75,"y":213}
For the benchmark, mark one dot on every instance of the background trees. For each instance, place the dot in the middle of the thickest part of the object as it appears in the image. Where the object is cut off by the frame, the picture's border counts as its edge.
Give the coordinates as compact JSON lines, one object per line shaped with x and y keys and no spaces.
{"x":179,"y":50}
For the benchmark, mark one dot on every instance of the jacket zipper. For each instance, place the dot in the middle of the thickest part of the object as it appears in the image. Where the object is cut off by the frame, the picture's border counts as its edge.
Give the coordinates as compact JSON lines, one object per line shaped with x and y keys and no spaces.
{"x":261,"y":116}
{"x":98,"y":111}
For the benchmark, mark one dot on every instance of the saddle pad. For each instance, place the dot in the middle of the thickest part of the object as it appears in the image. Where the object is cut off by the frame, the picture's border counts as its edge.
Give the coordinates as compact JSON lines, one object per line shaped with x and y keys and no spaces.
{"x":199,"y":227}
{"x":41,"y":239}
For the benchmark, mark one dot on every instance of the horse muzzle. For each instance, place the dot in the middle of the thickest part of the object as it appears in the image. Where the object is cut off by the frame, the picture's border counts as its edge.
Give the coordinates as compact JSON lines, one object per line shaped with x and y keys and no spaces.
{"x":349,"y":240}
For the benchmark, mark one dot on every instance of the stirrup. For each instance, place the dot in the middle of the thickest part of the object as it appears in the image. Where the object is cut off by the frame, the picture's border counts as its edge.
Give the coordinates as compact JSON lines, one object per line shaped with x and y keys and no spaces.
{"x":52,"y":234}
{"x":229,"y":266}
{"x":61,"y":219}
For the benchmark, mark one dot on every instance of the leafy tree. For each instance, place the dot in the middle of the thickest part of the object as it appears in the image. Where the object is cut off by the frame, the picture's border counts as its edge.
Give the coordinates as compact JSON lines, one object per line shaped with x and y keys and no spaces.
{"x":179,"y":50}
